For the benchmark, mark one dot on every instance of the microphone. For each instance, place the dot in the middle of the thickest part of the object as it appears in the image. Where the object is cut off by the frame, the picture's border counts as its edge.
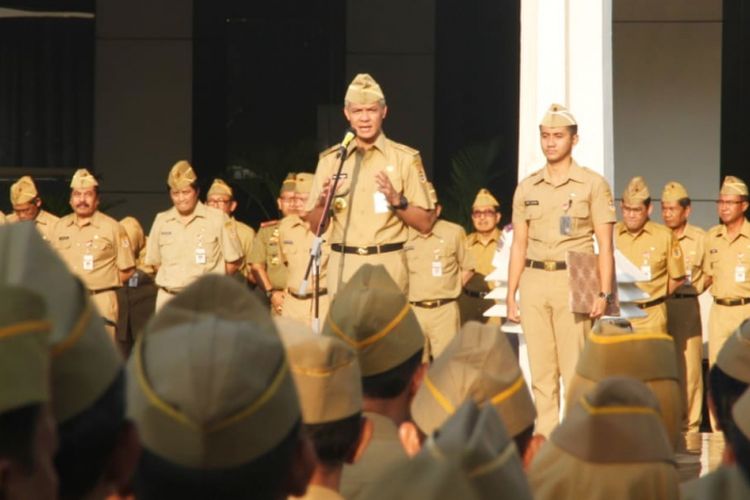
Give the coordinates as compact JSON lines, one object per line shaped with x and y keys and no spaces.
{"x":348,"y":138}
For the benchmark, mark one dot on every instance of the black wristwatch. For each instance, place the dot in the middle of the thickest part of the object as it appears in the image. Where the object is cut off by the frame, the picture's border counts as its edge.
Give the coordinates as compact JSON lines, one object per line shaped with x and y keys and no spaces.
{"x":402,"y":204}
{"x":608,"y":297}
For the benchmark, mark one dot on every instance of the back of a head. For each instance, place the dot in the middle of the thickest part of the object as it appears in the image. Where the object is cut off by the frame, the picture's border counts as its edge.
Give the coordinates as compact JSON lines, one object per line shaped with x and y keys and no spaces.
{"x":730,"y":375}
{"x":612,"y":444}
{"x":738,"y":434}
{"x":210,"y":390}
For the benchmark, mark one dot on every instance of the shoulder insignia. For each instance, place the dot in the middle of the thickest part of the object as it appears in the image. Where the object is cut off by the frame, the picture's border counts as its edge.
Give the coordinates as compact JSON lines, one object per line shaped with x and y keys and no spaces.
{"x":269,"y":223}
{"x":405,"y":148}
{"x":330,"y":150}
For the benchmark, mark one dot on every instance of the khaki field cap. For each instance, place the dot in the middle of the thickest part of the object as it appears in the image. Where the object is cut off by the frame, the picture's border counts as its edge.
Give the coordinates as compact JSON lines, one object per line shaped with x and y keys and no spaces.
{"x":611,"y":445}
{"x":648,"y":357}
{"x":303,"y":182}
{"x":479,"y":364}
{"x":83,"y":179}
{"x":373,"y":317}
{"x":741,"y":414}
{"x":23,"y":191}
{"x":134,"y":230}
{"x":219,"y":187}
{"x":477,"y":438}
{"x":288,"y":186}
{"x":24,"y":348}
{"x":484,"y":199}
{"x":734,"y":356}
{"x":733,"y":185}
{"x":181,"y":175}
{"x":363,"y":90}
{"x":558,"y":116}
{"x":636,"y":191}
{"x":85,"y":361}
{"x":325,"y":371}
{"x":208,"y":381}
{"x":674,"y":191}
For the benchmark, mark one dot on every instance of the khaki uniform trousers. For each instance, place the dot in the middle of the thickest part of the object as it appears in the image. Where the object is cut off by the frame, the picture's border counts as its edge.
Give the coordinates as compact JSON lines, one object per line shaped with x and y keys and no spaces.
{"x":439,"y":326}
{"x":302,"y":309}
{"x":654,"y":322}
{"x":684,"y":325}
{"x":554,"y":337}
{"x":342,"y":266}
{"x":106,"y":304}
{"x":162,"y":297}
{"x":722,"y":321}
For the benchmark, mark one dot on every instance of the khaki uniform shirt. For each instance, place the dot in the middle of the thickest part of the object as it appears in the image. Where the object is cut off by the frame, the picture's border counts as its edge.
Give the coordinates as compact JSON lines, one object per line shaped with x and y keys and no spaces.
{"x":436,"y":262}
{"x":44,"y":222}
{"x":483,"y":252}
{"x":361,"y":215}
{"x":245,"y":235}
{"x":692,"y":243}
{"x":185,"y":251}
{"x":656,"y":252}
{"x":96,"y":251}
{"x":383,"y":451}
{"x":315,"y":492}
{"x":728,"y":262}
{"x":725,"y":483}
{"x":296,"y":241}
{"x":584,"y":198}
{"x":267,"y":252}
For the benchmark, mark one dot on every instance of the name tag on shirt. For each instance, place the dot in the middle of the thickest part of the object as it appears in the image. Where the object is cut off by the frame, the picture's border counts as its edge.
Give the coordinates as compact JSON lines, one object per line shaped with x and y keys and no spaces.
{"x":437,"y":268}
{"x":566,"y":224}
{"x":380,"y":203}
{"x":689,"y":276}
{"x":200,"y":255}
{"x":88,"y":262}
{"x":133,"y":281}
{"x":646,"y":269}
{"x":739,"y":274}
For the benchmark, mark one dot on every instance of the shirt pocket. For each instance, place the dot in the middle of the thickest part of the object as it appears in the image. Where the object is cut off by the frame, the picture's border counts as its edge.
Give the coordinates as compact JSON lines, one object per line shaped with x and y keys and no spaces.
{"x":580,"y":213}
{"x":533,"y":216}
{"x":101,"y":248}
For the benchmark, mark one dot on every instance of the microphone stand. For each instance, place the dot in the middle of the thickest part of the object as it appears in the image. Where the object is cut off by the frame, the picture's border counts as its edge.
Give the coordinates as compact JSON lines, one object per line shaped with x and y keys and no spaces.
{"x":313,"y":265}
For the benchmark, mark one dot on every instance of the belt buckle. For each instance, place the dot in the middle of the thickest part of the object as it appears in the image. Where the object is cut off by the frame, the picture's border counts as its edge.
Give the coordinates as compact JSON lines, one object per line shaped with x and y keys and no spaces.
{"x":362,"y":251}
{"x":550,"y":265}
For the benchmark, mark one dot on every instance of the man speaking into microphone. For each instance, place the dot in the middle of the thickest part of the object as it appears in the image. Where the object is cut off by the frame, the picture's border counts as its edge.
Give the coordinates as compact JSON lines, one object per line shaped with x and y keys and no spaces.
{"x":381,"y":191}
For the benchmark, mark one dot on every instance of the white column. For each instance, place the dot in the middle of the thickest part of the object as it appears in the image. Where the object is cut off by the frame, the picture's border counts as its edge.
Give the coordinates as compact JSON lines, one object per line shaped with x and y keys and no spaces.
{"x":566,"y":57}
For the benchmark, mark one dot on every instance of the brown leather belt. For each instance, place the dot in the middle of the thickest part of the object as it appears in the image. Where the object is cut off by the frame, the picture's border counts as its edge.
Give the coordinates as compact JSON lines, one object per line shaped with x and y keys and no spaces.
{"x":547,"y":265}
{"x":684,"y":295}
{"x":476,"y":294}
{"x":651,"y":303}
{"x":739,"y":301}
{"x":170,"y":291}
{"x":307,"y":295}
{"x":388,"y":247}
{"x":432,"y":304}
{"x":102,"y":290}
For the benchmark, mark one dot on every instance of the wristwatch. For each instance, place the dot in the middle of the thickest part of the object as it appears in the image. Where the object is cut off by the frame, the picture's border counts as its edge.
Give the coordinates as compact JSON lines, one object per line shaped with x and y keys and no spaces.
{"x":402,"y":203}
{"x":608,"y":297}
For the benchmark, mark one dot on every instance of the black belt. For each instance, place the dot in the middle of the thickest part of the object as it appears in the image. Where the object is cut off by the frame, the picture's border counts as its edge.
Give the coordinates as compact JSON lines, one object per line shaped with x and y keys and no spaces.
{"x":739,"y":301}
{"x":388,"y":247}
{"x":102,"y":290}
{"x":307,"y":295}
{"x":170,"y":291}
{"x":475,"y":294}
{"x":432,"y":304}
{"x":684,"y":296}
{"x":547,"y":265}
{"x":651,"y":303}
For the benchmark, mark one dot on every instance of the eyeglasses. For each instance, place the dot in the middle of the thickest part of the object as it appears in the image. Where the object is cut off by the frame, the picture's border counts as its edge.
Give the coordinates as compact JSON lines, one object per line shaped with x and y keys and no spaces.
{"x":483,"y":213}
{"x":729,"y":202}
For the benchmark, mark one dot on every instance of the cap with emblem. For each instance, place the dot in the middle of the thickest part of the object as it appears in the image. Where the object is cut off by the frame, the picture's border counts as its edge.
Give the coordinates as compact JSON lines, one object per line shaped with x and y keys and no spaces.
{"x":85,"y":361}
{"x":24,"y":348}
{"x":480,"y":364}
{"x":488,"y":456}
{"x":612,"y":444}
{"x":734,"y":356}
{"x":363,"y":90}
{"x":288,"y":185}
{"x":558,"y":116}
{"x":83,"y":179}
{"x":220,"y":188}
{"x":303,"y":182}
{"x":636,"y":191}
{"x":181,"y":175}
{"x":649,"y":357}
{"x":674,"y":191}
{"x":741,"y":414}
{"x":209,"y":372}
{"x":485,"y":199}
{"x":135,"y":233}
{"x":23,"y":191}
{"x":733,"y":185}
{"x":373,"y":317}
{"x":325,"y":371}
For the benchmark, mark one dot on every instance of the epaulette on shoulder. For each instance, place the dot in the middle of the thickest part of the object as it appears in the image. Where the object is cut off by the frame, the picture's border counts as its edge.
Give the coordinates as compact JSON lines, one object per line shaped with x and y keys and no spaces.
{"x":269,"y":223}
{"x":330,"y":150}
{"x":405,"y":148}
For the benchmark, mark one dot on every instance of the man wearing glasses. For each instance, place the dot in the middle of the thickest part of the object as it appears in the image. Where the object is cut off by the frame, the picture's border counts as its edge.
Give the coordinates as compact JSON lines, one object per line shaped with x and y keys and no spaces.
{"x":727,"y":265}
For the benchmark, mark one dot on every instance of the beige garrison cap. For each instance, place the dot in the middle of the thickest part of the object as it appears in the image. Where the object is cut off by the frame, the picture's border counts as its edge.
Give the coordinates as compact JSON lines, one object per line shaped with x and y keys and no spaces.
{"x":325,"y":371}
{"x":558,"y":116}
{"x":134,"y":230}
{"x":734,"y":356}
{"x":288,"y":185}
{"x":85,"y":361}
{"x":363,"y":90}
{"x":208,"y":381}
{"x":181,"y":175}
{"x":611,"y":445}
{"x":83,"y":179}
{"x":484,"y":198}
{"x":373,"y":317}
{"x":219,"y":187}
{"x":636,"y":191}
{"x":733,"y":185}
{"x":480,"y":364}
{"x":674,"y":191}
{"x":649,"y":357}
{"x":24,"y":348}
{"x":477,"y":438}
{"x":741,"y":414}
{"x":23,"y":191}
{"x":303,"y":182}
